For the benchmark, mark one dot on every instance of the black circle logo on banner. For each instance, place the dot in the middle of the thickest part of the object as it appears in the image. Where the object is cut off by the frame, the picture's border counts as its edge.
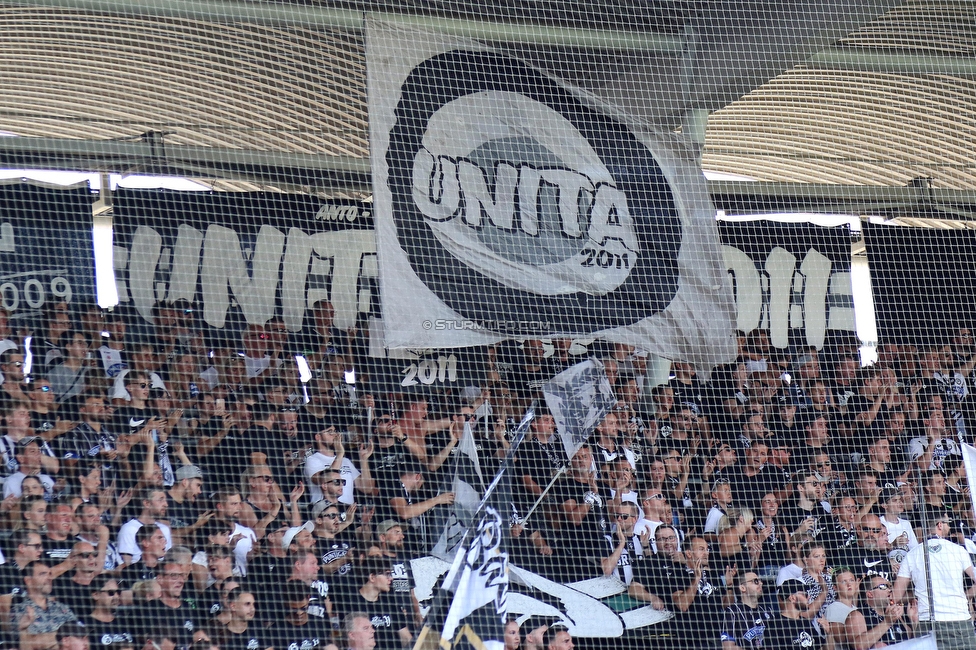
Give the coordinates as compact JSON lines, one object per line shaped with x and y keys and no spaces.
{"x":516,"y":202}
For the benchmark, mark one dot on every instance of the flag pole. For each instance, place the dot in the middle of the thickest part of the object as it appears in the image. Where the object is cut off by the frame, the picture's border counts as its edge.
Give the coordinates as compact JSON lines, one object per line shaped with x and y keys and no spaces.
{"x":562,"y":470}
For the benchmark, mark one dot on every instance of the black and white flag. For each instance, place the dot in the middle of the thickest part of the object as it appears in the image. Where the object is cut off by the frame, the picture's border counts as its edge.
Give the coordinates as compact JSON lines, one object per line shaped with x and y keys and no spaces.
{"x":468,"y":488}
{"x":578,"y":399}
{"x":510,"y":205}
{"x":476,"y":617}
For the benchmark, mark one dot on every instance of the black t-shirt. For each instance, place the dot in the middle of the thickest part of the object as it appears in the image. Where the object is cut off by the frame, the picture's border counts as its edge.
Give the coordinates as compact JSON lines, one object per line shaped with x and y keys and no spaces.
{"x":254,"y":638}
{"x":11,"y":580}
{"x":154,"y":615}
{"x":56,"y":551}
{"x":791,"y":516}
{"x":330,"y":550}
{"x":101,"y":635}
{"x":403,"y":583}
{"x":540,"y":460}
{"x":77,"y":597}
{"x":837,"y":541}
{"x":387,"y":461}
{"x":128,"y":421}
{"x":42,"y":422}
{"x":385,"y":615}
{"x":313,"y":635}
{"x":587,"y":539}
{"x":227,"y":462}
{"x":867,"y":562}
{"x":181,"y":515}
{"x":790,"y":634}
{"x":136,"y":572}
{"x":272,"y":606}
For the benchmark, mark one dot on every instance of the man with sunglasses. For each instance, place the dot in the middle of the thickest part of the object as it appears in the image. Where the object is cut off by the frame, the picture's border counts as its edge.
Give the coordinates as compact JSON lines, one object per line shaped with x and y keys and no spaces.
{"x":45,"y":419}
{"x":28,"y":548}
{"x":870,"y":556}
{"x":745,"y":621}
{"x":75,"y":590}
{"x":12,"y":367}
{"x":882,"y":621}
{"x":627,"y":551}
{"x":331,"y":546}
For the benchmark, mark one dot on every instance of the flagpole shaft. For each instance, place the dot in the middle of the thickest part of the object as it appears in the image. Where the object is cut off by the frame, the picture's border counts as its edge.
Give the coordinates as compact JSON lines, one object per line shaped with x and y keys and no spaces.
{"x":559,"y":473}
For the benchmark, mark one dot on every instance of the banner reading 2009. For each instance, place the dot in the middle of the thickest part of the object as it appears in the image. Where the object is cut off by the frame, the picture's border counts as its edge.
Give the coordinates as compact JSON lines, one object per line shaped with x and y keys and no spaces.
{"x":508,"y":205}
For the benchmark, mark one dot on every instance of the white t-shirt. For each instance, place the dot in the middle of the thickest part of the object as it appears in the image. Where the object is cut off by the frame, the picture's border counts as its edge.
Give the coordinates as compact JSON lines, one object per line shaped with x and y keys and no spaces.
{"x":111,"y":360}
{"x":11,"y":486}
{"x":949,"y":562}
{"x":126,"y":541}
{"x":788,"y":572}
{"x":243,"y":547}
{"x":895,"y":530}
{"x":319,"y":461}
{"x":714,"y":516}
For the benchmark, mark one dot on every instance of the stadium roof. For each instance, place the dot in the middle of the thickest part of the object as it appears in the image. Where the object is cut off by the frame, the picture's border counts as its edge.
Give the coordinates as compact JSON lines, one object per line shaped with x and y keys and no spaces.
{"x":272,"y":95}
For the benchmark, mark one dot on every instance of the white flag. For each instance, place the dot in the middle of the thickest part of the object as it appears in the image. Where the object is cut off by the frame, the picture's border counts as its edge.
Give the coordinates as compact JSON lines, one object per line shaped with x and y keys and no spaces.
{"x":578,"y":399}
{"x":509,"y":204}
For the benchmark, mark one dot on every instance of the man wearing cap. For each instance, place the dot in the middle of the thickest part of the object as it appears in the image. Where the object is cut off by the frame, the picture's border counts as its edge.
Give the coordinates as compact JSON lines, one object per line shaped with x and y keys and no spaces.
{"x":950,"y":564}
{"x":28,"y":451}
{"x":389,"y":535}
{"x":790,"y":630}
{"x":299,"y":537}
{"x":182,"y":510}
{"x":331,"y":545}
{"x":72,"y":636}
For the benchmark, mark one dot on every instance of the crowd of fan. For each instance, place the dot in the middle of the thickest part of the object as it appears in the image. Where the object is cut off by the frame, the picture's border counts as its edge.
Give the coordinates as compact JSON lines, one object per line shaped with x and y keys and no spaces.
{"x":162,"y":490}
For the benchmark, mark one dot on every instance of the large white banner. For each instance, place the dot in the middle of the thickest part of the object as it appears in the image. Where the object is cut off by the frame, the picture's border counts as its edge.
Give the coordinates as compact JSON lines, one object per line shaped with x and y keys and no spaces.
{"x":508,"y":204}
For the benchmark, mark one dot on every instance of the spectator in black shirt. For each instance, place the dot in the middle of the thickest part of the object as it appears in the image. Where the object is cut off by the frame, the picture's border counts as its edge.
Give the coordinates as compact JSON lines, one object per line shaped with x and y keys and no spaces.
{"x":172,"y":609}
{"x":296,"y":630}
{"x":790,"y":630}
{"x":805,"y":513}
{"x":106,"y":628}
{"x":584,"y":515}
{"x":744,"y":625}
{"x":374,"y":598}
{"x":28,"y":548}
{"x":389,"y":545}
{"x":183,"y":513}
{"x":403,"y":502}
{"x":152,"y":547}
{"x":870,"y":556}
{"x":241,"y":635}
{"x":75,"y":590}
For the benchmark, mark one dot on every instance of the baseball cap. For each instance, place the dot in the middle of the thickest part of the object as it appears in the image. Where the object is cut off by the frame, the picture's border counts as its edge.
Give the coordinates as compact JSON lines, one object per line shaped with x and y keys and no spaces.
{"x":26,"y":440}
{"x":292,"y":532}
{"x":187,"y":472}
{"x":386,"y":525}
{"x":319,"y":507}
{"x":790,"y":587}
{"x":888,"y":493}
{"x":72,"y":629}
